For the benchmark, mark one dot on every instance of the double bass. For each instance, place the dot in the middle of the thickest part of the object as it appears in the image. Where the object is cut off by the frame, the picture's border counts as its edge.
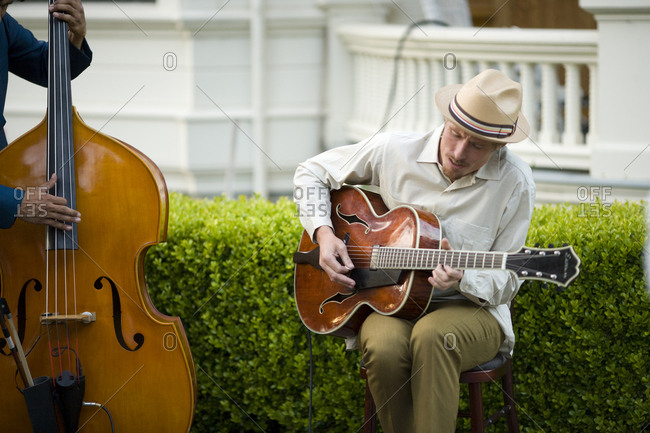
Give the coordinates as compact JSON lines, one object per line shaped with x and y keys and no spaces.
{"x":101,"y":357}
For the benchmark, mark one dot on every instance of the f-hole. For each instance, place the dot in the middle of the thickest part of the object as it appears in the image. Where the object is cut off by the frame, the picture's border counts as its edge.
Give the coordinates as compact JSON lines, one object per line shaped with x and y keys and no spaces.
{"x":117,"y":316}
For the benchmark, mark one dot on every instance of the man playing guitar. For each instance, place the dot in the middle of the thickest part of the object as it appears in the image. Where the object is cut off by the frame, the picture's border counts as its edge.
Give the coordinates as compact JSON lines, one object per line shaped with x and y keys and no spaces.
{"x":483,"y":196}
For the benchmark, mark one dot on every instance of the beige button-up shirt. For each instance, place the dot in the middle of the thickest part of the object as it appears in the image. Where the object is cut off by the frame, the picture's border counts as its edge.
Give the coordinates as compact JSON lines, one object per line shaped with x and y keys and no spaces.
{"x":489,"y":210}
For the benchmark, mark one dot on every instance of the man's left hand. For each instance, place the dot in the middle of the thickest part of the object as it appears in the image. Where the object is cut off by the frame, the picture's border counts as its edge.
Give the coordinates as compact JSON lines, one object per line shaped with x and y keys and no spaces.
{"x":445,"y":277}
{"x":72,"y":12}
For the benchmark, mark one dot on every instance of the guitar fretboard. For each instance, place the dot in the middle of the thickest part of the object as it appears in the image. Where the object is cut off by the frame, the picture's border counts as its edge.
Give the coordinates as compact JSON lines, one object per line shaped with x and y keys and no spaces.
{"x":428,"y":259}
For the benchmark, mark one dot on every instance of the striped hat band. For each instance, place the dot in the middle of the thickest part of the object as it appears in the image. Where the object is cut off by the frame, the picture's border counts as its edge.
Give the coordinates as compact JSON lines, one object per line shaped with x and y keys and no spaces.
{"x":489,"y":130}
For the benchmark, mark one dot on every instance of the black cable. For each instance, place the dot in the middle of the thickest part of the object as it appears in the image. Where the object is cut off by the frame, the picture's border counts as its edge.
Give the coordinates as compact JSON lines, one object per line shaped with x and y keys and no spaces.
{"x":398,"y":54}
{"x":109,"y":417}
{"x":101,"y":406}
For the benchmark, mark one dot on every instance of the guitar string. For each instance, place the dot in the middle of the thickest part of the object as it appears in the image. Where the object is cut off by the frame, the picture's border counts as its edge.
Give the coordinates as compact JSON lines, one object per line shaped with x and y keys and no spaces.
{"x":367,"y":250}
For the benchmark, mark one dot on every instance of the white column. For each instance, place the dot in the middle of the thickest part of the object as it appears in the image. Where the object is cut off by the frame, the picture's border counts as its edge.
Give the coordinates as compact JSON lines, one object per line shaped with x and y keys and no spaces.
{"x":622,"y":150}
{"x":339,"y":90}
{"x":258,"y":95}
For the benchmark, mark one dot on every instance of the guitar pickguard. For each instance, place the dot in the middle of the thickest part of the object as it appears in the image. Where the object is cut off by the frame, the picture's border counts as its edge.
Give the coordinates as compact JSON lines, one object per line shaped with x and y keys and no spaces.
{"x":370,"y":278}
{"x":351,"y":219}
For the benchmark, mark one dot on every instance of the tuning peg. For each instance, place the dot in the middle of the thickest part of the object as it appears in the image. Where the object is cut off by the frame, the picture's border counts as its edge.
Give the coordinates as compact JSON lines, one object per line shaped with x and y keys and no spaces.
{"x":551,"y":246}
{"x":536,"y":244}
{"x":564,"y":244}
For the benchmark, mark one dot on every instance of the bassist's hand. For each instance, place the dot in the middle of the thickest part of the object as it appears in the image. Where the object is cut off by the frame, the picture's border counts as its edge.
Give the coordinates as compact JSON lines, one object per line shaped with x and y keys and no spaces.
{"x":332,"y":249}
{"x":41,"y":207}
{"x":72,"y":12}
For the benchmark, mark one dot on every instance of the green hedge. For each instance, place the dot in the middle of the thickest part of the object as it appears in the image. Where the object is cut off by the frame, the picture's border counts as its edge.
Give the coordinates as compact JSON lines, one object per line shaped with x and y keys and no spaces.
{"x":226,"y":269}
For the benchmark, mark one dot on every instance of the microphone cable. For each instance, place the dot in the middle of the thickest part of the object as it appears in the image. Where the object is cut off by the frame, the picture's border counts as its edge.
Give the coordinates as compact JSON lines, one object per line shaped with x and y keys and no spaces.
{"x":398,"y":56}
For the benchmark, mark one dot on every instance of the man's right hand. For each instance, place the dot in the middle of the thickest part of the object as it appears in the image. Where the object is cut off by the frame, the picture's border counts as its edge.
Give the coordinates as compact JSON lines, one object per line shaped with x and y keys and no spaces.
{"x":332,"y":249}
{"x":41,"y":207}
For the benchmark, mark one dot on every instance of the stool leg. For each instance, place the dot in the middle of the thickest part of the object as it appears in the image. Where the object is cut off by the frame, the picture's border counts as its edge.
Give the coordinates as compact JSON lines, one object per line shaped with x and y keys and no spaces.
{"x":369,"y":415}
{"x":476,"y":407}
{"x":509,"y":399}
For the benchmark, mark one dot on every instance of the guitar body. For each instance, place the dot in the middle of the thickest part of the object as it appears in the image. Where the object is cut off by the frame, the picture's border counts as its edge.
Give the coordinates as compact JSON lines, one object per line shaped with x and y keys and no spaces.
{"x":362,"y":217}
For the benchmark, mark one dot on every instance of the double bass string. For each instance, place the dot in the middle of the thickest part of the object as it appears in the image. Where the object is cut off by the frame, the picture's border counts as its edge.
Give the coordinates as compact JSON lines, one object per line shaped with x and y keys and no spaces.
{"x":59,"y":143}
{"x":67,"y":171}
{"x":62,"y":51}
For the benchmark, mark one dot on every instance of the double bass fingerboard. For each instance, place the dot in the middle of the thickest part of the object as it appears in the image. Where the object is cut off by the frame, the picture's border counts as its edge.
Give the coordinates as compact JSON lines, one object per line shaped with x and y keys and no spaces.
{"x":60,"y":149}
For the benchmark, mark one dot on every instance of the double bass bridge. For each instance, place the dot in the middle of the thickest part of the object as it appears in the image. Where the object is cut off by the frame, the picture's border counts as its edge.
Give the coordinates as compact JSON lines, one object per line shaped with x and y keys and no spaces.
{"x":56,"y":318}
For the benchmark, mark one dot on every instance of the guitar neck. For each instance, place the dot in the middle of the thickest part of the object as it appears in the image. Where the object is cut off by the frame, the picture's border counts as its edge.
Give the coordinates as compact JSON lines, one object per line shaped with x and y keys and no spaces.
{"x":428,"y":259}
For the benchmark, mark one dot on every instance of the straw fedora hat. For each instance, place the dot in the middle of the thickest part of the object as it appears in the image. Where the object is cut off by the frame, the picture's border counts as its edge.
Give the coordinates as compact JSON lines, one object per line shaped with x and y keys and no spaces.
{"x":488,"y":107}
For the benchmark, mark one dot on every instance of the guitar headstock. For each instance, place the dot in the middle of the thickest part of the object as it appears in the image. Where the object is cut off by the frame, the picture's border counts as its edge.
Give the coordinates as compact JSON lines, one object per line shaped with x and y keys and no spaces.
{"x":554,"y":265}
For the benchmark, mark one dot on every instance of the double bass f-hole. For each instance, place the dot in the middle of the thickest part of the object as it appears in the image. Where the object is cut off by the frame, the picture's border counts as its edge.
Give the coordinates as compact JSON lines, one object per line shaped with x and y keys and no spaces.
{"x":117,"y":316}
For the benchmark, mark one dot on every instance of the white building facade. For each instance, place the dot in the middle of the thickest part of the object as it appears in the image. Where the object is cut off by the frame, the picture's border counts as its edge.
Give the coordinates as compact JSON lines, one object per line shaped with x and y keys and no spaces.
{"x":227,"y":97}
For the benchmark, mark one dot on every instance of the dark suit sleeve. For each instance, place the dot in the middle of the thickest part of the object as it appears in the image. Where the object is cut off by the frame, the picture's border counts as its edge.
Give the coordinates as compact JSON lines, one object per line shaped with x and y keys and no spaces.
{"x":79,"y":59}
{"x":28,"y":55}
{"x":9,"y":203}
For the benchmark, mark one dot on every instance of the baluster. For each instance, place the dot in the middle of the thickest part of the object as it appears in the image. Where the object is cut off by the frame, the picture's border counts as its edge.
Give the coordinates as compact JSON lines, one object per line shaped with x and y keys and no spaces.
{"x":372,"y":81}
{"x":530,"y":98}
{"x":508,"y":69}
{"x":361,"y":104}
{"x":413,"y":96}
{"x":483,"y":65}
{"x":548,"y":133}
{"x":572,"y":104}
{"x":363,"y":83}
{"x":437,"y":81}
{"x":381,"y":74}
{"x":425,"y":97}
{"x":452,"y":75}
{"x":592,"y":135}
{"x":468,"y":70}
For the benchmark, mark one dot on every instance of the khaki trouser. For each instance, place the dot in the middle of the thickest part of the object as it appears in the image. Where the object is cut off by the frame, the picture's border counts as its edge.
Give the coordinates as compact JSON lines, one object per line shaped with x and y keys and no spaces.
{"x":414,"y":366}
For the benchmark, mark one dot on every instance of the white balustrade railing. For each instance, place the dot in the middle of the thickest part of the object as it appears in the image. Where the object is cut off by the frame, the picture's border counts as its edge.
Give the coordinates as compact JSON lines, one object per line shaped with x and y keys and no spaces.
{"x":557,"y":70}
